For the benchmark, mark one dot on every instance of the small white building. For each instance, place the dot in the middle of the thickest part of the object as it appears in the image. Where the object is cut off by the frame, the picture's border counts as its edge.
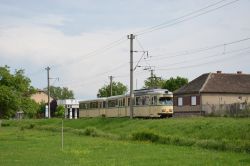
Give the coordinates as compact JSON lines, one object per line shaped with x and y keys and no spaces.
{"x":71,"y":108}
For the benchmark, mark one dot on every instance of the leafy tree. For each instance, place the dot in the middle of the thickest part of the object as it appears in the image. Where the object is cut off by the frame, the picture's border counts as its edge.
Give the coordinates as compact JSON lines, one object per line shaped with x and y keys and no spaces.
{"x":15,"y":92}
{"x":29,"y":107}
{"x":9,"y":102}
{"x":60,"y":111}
{"x":173,"y":84}
{"x":117,"y":89}
{"x":153,"y":82}
{"x":41,"y":110}
{"x":61,"y":93}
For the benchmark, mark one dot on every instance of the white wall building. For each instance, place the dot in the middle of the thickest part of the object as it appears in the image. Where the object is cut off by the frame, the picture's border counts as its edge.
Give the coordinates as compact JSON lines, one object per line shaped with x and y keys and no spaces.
{"x":71,"y":108}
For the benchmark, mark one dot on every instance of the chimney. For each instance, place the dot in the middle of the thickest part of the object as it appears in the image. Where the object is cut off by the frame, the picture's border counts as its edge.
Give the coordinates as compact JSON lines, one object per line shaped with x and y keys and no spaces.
{"x":219,"y":72}
{"x":239,"y":72}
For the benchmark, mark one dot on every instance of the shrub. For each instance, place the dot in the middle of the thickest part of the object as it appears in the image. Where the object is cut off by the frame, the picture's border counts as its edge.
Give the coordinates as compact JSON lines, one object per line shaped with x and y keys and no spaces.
{"x":89,"y":131}
{"x":60,"y":111}
{"x":5,"y":124}
{"x":145,"y":136}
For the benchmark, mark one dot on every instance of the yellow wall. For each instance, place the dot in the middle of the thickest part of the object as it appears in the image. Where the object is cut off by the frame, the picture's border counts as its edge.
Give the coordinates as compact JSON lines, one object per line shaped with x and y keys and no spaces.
{"x":40,"y":97}
{"x":218,"y":99}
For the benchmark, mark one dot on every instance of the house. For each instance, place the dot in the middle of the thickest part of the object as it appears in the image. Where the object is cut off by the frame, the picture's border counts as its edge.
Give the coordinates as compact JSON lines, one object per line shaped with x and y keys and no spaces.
{"x":41,"y":97}
{"x":213,"y":93}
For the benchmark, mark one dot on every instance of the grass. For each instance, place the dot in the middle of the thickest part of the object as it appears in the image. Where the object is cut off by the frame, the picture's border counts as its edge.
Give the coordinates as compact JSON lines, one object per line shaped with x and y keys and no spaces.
{"x":231,"y":134}
{"x":42,"y":147}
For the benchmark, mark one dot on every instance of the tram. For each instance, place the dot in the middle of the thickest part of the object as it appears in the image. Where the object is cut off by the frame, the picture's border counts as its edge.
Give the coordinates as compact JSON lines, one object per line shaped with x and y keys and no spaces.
{"x":147,"y":103}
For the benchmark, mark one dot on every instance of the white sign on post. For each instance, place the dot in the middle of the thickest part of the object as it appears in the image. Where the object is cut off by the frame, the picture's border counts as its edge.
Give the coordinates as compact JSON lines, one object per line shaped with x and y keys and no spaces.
{"x":46,"y":111}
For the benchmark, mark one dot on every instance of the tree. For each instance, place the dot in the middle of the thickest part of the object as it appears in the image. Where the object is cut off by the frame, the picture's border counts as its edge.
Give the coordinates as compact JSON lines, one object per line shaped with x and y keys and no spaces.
{"x":30,"y":107}
{"x":60,"y":111}
{"x":153,"y":82}
{"x":61,"y":93}
{"x":117,"y":89}
{"x":15,"y":92}
{"x":173,"y":84}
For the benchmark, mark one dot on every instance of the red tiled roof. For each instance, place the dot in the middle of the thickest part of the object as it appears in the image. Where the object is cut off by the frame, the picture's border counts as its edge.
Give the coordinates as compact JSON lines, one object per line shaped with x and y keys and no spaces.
{"x":218,"y":83}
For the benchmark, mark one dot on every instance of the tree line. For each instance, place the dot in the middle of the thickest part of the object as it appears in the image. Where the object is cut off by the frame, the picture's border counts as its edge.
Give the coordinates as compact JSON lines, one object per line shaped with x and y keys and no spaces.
{"x":16,"y":91}
{"x":153,"y":82}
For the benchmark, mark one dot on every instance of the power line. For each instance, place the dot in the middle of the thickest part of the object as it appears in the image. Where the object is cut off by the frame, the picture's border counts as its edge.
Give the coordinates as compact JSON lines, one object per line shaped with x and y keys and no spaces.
{"x":97,"y":75}
{"x":193,"y":51}
{"x":215,"y":55}
{"x":157,"y":27}
{"x":93,"y":53}
{"x":172,"y":22}
{"x":201,"y":64}
{"x":153,"y":28}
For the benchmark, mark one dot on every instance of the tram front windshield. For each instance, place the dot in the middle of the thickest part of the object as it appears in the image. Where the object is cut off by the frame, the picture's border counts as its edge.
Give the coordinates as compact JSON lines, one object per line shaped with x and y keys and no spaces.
{"x":166,"y":100}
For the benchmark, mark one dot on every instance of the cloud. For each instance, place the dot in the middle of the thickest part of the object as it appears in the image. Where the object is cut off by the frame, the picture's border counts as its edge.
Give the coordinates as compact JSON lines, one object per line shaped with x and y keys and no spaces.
{"x":39,"y":40}
{"x":39,"y":46}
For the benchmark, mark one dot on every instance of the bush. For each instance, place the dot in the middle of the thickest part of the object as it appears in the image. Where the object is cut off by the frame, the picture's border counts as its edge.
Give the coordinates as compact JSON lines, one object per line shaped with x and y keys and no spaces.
{"x":89,"y":131}
{"x":60,"y":111}
{"x":145,"y":136}
{"x":5,"y":124}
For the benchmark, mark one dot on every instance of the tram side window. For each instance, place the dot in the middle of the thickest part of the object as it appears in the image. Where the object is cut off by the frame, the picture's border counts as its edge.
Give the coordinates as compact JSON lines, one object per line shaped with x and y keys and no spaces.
{"x":104,"y":104}
{"x":81,"y":105}
{"x":138,"y":100}
{"x":121,"y":102}
{"x":100,"y":105}
{"x":153,"y":100}
{"x":112,"y":103}
{"x":145,"y":100}
{"x":88,"y":106}
{"x":85,"y":106}
{"x":93,"y":105}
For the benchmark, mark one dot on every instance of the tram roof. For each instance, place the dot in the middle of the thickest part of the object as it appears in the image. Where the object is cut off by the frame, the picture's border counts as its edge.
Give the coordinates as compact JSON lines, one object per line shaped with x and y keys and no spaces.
{"x":138,"y":92}
{"x":96,"y":99}
{"x":151,"y":91}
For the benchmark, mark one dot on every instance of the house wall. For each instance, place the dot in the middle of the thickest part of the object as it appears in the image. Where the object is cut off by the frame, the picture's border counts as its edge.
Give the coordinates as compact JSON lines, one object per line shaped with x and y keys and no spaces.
{"x":187,"y":103}
{"x":40,"y":97}
{"x":224,"y":98}
{"x":223,"y":103}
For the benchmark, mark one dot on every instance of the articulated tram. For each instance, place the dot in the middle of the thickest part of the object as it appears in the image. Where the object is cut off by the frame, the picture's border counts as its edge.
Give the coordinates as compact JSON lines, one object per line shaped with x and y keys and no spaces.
{"x":147,"y":103}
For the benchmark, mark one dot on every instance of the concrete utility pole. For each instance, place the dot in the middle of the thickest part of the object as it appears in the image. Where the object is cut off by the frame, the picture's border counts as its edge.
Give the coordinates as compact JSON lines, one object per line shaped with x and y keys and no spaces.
{"x":131,"y":37}
{"x":111,"y":83}
{"x":151,"y":78}
{"x":48,"y":68}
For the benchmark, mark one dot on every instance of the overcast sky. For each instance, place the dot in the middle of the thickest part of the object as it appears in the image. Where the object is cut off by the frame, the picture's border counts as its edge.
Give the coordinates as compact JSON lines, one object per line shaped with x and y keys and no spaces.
{"x":73,"y":37}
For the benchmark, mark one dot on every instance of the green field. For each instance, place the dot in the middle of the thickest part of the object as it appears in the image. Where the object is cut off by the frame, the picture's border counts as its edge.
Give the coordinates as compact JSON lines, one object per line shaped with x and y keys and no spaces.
{"x":107,"y":141}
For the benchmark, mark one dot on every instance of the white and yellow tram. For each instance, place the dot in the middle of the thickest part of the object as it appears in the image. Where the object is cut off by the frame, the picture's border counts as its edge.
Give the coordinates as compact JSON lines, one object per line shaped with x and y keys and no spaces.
{"x":147,"y":103}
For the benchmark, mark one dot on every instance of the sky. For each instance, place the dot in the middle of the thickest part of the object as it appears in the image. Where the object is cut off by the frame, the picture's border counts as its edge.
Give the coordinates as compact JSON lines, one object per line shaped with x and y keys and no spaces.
{"x":85,"y":41}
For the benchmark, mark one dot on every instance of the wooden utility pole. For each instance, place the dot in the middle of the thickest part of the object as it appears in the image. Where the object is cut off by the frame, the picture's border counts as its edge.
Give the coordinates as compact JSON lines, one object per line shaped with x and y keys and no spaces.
{"x":131,"y":37}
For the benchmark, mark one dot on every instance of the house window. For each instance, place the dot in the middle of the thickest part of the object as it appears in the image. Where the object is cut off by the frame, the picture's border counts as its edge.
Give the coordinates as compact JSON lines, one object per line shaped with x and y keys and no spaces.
{"x":180,"y":101}
{"x":193,"y":100}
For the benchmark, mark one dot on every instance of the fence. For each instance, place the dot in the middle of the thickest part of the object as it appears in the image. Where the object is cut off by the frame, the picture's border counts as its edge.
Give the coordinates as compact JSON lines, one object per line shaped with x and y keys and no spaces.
{"x":234,"y":110}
